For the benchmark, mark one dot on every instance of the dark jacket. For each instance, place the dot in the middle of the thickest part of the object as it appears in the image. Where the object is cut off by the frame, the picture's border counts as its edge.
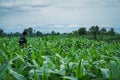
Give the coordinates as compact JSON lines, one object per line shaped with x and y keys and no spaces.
{"x":22,"y":41}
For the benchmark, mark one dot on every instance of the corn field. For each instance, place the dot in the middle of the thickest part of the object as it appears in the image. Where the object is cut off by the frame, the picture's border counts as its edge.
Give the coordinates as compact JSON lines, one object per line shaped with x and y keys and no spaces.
{"x":59,"y":58}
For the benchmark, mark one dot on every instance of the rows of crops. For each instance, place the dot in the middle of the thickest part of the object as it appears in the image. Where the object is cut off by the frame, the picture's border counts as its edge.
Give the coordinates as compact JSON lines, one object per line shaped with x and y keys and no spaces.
{"x":55,"y":58}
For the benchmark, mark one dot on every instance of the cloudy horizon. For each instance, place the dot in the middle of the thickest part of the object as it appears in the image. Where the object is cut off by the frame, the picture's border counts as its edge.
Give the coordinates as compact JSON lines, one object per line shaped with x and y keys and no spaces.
{"x":56,"y":28}
{"x":59,"y":12}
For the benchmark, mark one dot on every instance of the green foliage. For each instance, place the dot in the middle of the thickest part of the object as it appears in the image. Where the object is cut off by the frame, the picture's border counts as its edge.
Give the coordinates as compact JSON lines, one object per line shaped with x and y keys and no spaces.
{"x":103,"y":31}
{"x":111,"y":31}
{"x":115,"y":70}
{"x":59,"y":58}
{"x":38,"y":34}
{"x":29,"y":31}
{"x":94,"y":30}
{"x":1,"y":32}
{"x":82,"y":31}
{"x":53,"y":32}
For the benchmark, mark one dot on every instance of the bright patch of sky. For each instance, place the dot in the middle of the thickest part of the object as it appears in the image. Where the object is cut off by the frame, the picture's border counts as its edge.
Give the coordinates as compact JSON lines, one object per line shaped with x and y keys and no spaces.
{"x":59,"y":13}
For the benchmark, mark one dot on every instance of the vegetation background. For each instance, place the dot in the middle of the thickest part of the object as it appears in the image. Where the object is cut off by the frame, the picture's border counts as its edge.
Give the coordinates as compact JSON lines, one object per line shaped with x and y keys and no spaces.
{"x":79,"y":55}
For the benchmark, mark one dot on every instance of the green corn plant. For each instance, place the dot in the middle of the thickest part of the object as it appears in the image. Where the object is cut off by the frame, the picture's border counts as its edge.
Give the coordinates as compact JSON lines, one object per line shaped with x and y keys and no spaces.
{"x":59,"y":58}
{"x":6,"y":66}
{"x":115,"y":71}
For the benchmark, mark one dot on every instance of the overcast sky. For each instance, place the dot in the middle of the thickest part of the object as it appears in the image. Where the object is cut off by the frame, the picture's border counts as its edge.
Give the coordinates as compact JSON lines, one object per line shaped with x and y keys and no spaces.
{"x":60,"y":12}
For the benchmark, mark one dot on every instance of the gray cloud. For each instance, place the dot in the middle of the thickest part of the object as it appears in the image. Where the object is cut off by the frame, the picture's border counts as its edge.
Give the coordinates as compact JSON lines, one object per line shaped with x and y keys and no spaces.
{"x":12,"y":5}
{"x":22,"y":8}
{"x":30,"y":5}
{"x":59,"y":11}
{"x":8,"y":7}
{"x":77,"y":4}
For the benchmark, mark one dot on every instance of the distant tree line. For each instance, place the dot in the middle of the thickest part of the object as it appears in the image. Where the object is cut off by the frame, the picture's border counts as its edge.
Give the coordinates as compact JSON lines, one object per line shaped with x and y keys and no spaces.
{"x":31,"y":33}
{"x":93,"y":30}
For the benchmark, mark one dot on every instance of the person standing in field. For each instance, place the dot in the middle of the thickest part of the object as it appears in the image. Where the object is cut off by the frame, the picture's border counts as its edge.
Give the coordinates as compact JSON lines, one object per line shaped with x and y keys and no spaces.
{"x":23,"y":40}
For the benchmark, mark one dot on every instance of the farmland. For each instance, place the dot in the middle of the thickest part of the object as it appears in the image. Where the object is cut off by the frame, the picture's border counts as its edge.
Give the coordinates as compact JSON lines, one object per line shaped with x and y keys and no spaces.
{"x":59,"y":58}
